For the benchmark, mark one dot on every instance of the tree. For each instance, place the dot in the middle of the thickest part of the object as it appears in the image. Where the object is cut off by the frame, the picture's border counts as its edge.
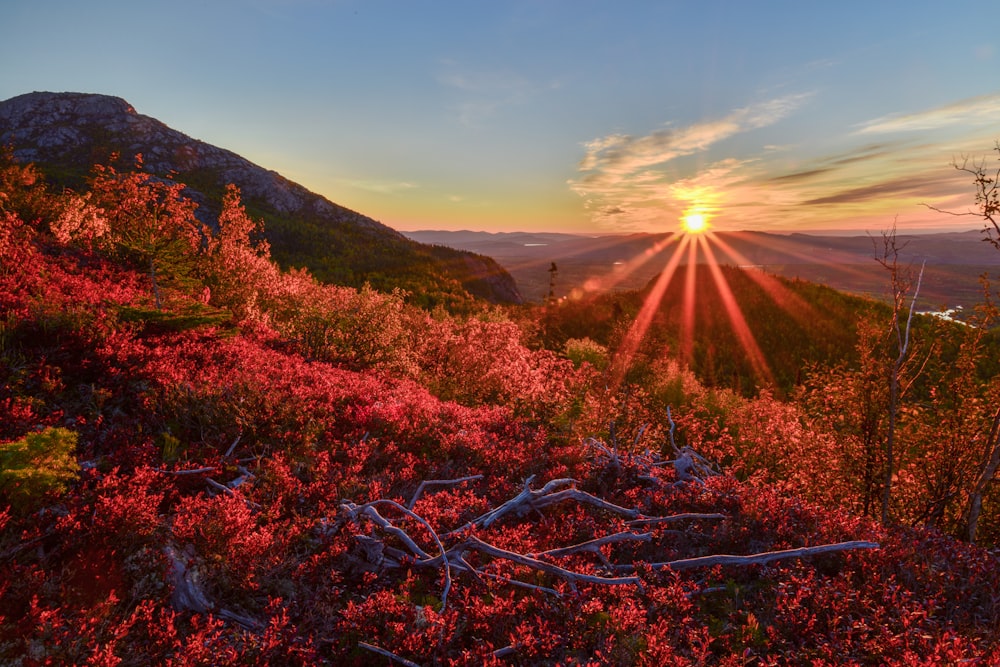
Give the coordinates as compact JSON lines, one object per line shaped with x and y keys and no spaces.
{"x":888,"y":257}
{"x":239,"y":270}
{"x":987,"y":197}
{"x":150,"y":224}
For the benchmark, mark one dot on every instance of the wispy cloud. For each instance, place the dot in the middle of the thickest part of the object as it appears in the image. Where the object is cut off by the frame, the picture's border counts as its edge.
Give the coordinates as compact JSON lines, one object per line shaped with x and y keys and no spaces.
{"x":979,"y":110}
{"x":626,"y":180}
{"x":381,"y":187}
{"x":624,"y":154}
{"x":484,"y":92}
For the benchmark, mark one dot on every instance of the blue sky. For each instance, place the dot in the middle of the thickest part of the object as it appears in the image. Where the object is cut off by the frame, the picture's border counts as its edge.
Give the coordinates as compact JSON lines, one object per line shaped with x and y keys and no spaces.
{"x":563,"y":115}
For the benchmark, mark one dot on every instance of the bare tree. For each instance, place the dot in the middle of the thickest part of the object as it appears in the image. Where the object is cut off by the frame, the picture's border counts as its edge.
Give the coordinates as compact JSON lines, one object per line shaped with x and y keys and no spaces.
{"x":900,"y":279}
{"x":987,"y":196}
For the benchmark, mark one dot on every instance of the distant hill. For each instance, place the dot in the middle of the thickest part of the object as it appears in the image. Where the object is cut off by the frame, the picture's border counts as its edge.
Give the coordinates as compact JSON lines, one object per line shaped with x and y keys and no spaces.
{"x":65,"y":134}
{"x":954,"y":260}
{"x":793,"y":323}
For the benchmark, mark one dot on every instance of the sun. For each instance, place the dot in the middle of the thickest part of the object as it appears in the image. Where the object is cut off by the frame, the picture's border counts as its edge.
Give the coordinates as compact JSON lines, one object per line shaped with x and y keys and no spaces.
{"x":694,"y":223}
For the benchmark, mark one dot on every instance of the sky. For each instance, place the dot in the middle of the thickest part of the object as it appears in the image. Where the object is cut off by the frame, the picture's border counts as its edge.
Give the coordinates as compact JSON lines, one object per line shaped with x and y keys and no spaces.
{"x":564,"y":115}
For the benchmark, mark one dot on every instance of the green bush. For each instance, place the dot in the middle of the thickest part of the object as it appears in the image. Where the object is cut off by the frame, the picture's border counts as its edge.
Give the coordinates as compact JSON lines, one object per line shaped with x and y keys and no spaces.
{"x":580,"y":350}
{"x":37,"y":465}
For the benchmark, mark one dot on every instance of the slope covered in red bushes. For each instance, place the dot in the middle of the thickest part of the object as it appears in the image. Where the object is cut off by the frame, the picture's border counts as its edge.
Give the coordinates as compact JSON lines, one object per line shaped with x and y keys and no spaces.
{"x":246,"y":496}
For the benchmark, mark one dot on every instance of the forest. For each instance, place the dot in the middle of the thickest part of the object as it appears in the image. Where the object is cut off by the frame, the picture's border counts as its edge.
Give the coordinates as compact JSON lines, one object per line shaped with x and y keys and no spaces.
{"x":208,"y":460}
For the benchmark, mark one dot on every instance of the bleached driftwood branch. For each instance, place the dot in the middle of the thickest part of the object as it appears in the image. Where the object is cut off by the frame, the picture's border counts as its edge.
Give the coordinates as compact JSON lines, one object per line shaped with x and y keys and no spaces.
{"x":387,"y":654}
{"x":369,"y":510}
{"x":567,"y":575}
{"x":753,"y":559}
{"x":594,"y":546}
{"x":535,"y":499}
{"x":438,"y":482}
{"x":648,"y":521}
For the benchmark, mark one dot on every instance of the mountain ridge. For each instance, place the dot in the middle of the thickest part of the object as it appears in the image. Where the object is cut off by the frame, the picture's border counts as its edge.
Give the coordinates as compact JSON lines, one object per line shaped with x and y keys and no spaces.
{"x":954,"y":260}
{"x":65,"y":134}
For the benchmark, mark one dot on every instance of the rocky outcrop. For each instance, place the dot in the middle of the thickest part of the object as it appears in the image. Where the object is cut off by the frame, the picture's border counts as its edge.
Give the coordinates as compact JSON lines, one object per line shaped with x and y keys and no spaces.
{"x":73,"y":131}
{"x":74,"y":127}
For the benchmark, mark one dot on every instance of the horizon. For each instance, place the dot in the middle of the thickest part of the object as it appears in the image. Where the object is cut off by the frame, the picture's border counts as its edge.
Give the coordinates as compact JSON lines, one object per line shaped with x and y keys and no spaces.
{"x":592,"y":120}
{"x":809,"y":232}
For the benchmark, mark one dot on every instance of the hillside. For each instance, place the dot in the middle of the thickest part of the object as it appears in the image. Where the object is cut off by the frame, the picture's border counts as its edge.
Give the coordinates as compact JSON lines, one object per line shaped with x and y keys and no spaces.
{"x":796,"y":324}
{"x":219,"y":462}
{"x":66,"y":134}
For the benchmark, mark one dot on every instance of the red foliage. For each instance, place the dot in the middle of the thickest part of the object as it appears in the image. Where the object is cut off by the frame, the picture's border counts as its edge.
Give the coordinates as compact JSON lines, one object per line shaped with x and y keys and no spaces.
{"x":233,"y":455}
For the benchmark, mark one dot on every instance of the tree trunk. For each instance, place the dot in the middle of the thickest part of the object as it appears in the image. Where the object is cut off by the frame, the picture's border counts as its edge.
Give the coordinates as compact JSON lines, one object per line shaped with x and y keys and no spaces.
{"x":985,"y":477}
{"x":156,"y":287}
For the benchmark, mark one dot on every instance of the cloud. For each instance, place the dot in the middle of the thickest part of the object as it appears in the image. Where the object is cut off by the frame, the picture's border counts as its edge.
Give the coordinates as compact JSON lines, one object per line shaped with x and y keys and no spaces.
{"x":910,"y":186}
{"x":980,"y":110}
{"x":381,"y":187}
{"x":624,"y":154}
{"x":624,"y":179}
{"x":484,"y":92}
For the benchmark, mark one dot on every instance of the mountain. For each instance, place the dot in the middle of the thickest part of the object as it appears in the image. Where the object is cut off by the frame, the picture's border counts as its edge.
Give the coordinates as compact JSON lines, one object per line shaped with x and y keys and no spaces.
{"x":65,"y":134}
{"x":954,"y":260}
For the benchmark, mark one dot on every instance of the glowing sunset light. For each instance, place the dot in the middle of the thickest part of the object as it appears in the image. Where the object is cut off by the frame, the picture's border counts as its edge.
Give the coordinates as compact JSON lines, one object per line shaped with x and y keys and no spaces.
{"x":640,"y":325}
{"x":523,"y":117}
{"x":694,"y":223}
{"x":736,"y":318}
{"x":687,"y":319}
{"x":797,"y":307}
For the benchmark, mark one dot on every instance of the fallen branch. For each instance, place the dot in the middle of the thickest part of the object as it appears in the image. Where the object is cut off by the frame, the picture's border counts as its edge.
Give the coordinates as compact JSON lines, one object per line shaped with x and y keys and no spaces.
{"x":232,"y":447}
{"x":567,"y":575}
{"x":519,"y":504}
{"x":581,"y":497}
{"x":188,"y":471}
{"x":648,"y":521}
{"x":438,"y":482}
{"x":369,"y":510}
{"x":754,"y":559}
{"x":594,"y":546}
{"x":221,"y":487}
{"x":388,"y":654}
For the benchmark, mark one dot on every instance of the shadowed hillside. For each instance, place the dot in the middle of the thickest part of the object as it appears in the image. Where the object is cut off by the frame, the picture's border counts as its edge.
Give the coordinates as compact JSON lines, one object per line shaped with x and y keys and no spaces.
{"x":65,"y":134}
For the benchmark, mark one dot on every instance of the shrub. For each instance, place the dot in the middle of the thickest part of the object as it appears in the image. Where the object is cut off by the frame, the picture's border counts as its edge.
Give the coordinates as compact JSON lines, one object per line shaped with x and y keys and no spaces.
{"x":585,"y":350}
{"x":36,"y":465}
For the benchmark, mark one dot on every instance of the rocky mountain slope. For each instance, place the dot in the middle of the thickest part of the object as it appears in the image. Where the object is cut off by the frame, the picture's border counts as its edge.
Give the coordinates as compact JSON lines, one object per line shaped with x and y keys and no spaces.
{"x":65,"y":134}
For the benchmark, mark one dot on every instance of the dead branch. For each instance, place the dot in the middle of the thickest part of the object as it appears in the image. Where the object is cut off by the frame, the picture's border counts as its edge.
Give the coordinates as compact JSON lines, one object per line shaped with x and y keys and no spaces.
{"x":648,"y":521}
{"x":673,"y":429}
{"x":220,"y":487}
{"x":369,"y":510}
{"x":581,"y":497}
{"x":388,"y":654}
{"x":594,"y":546}
{"x":519,"y":504}
{"x":754,"y":559}
{"x":567,"y":575}
{"x":353,"y":511}
{"x":188,"y":471}
{"x":232,"y":447}
{"x":187,"y":594}
{"x":244,"y":476}
{"x":438,"y":482}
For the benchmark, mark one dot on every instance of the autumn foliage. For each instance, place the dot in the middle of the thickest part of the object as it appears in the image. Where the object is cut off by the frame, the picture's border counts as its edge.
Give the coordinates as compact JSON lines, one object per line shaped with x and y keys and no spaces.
{"x":192,"y":439}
